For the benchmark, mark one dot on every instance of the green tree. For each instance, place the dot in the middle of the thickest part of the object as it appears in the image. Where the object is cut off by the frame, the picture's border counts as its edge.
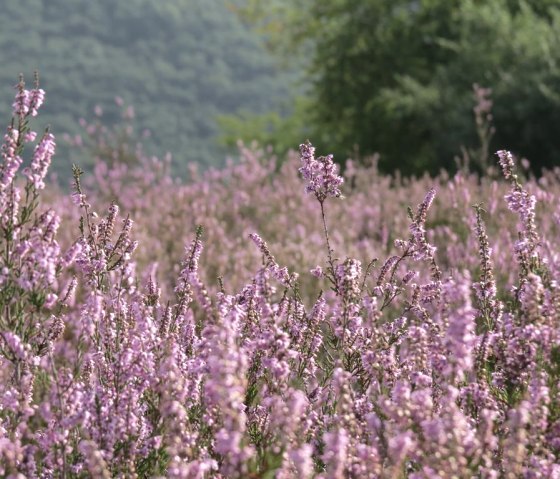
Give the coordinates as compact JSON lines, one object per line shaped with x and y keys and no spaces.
{"x":396,"y":76}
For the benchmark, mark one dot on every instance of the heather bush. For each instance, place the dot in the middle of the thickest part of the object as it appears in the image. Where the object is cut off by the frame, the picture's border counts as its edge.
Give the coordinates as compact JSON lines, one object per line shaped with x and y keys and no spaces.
{"x":309,"y":330}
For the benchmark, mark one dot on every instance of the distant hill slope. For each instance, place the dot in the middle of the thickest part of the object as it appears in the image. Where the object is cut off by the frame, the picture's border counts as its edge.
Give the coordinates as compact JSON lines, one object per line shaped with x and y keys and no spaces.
{"x":178,"y":62}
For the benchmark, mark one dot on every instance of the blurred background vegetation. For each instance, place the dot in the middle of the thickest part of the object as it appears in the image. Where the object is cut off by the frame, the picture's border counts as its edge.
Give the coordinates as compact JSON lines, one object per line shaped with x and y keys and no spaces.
{"x":179,"y":63}
{"x":356,"y":77}
{"x":396,"y":76}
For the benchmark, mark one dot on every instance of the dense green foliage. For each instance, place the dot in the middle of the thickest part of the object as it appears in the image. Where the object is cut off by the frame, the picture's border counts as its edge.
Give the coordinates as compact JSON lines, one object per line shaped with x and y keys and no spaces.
{"x":180,"y":63}
{"x":396,"y":76}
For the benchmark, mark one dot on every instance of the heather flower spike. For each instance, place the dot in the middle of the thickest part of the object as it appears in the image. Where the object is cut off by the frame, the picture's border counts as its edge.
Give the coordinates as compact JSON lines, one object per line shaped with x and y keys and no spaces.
{"x":320,"y":174}
{"x":281,"y":274}
{"x":41,"y":161}
{"x":507,"y":164}
{"x":323,"y":180}
{"x":520,"y":201}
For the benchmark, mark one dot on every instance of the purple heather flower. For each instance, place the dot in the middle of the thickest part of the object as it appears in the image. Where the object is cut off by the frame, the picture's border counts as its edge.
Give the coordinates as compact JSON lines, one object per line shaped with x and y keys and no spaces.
{"x":348,"y":277}
{"x":507,"y":163}
{"x":387,"y":266}
{"x":421,"y":249}
{"x":409,"y":276}
{"x":16,"y":347}
{"x":255,"y":382}
{"x":334,"y":455}
{"x":36,"y":98}
{"x":279,"y":273}
{"x":11,"y":161}
{"x":317,"y":272}
{"x":41,"y":161}
{"x":93,"y":458}
{"x":400,"y":445}
{"x":303,"y":461}
{"x":21,"y":103}
{"x":30,"y":136}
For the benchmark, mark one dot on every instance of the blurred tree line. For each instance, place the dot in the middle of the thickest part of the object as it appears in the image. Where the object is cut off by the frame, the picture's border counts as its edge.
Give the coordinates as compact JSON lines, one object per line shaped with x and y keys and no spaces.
{"x":180,"y":63}
{"x":396,"y":77}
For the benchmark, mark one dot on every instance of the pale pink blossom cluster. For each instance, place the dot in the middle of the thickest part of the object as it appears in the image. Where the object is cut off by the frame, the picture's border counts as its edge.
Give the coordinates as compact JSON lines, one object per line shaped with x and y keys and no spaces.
{"x":320,"y":174}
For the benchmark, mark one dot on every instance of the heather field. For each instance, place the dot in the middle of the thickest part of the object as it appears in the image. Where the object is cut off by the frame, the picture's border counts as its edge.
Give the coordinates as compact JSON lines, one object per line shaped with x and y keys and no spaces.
{"x":275,"y":318}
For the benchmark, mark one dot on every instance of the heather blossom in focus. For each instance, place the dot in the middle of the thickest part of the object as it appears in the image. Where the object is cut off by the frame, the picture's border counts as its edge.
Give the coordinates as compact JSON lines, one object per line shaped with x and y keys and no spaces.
{"x":27,"y":102}
{"x":41,"y":161}
{"x":320,"y":174}
{"x":521,"y":202}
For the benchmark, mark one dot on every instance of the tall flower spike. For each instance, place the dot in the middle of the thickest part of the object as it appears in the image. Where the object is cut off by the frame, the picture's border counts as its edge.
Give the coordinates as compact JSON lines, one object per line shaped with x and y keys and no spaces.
{"x":36,"y":98}
{"x":507,"y":164}
{"x":485,"y":288}
{"x":11,"y":160}
{"x":20,"y":106}
{"x":41,"y":161}
{"x":520,"y":201}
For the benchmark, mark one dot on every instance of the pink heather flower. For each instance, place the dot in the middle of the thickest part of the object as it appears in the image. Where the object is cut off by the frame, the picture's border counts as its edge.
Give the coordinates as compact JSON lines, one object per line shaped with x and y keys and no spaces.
{"x":11,"y":161}
{"x":303,"y":461}
{"x":318,"y":312}
{"x":93,"y":459}
{"x":30,"y":136}
{"x":50,"y":300}
{"x":400,"y":446}
{"x":419,"y":246}
{"x":56,"y":328}
{"x":409,"y":276}
{"x":460,"y":337}
{"x":261,"y":244}
{"x":387,"y":266}
{"x":72,"y":253}
{"x":317,"y":272}
{"x":13,"y":343}
{"x":21,"y":103}
{"x":78,"y":199}
{"x":320,"y":173}
{"x":334,"y":456}
{"x":280,"y":274}
{"x":507,"y":163}
{"x":36,"y":98}
{"x":348,"y":277}
{"x":531,"y":296}
{"x":193,"y":253}
{"x":41,"y":161}
{"x":417,"y":227}
{"x":521,"y":202}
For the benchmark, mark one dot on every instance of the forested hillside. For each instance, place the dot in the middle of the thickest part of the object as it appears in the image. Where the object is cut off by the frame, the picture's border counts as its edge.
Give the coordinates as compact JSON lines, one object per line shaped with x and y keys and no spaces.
{"x":180,"y":63}
{"x":396,"y":77}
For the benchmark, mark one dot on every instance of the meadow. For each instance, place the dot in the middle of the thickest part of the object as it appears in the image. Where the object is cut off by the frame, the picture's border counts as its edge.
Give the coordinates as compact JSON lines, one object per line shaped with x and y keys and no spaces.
{"x":274,"y":318}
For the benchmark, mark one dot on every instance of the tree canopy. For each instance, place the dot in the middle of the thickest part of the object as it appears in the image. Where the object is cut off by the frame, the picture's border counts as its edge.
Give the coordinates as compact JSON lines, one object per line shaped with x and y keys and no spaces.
{"x":396,"y":76}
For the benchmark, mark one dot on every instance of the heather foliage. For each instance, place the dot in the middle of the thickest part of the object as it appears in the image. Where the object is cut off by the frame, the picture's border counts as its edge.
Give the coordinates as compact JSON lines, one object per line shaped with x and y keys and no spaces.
{"x":430,"y":349}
